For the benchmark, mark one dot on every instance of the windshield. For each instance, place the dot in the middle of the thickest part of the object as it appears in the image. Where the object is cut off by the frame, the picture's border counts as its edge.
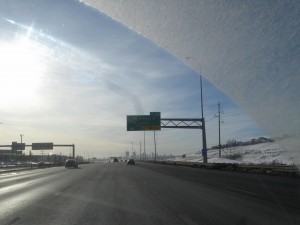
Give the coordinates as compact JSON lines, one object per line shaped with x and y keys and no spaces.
{"x":73,"y":72}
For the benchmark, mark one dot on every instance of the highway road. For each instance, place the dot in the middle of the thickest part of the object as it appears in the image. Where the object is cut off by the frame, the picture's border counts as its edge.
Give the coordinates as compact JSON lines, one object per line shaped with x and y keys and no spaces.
{"x":116,"y":193}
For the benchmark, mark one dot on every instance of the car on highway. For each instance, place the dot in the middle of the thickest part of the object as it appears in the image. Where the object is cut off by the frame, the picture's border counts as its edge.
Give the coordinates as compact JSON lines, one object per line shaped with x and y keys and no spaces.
{"x":115,"y":160}
{"x":41,"y":164}
{"x":131,"y":162}
{"x":71,"y":163}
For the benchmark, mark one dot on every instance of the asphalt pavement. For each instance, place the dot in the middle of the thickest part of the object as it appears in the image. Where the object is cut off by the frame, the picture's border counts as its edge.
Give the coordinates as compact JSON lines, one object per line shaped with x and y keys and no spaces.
{"x":116,"y":193}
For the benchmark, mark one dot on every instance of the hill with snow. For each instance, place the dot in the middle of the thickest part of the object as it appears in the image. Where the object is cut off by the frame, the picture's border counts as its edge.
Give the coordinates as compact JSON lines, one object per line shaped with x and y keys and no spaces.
{"x":264,"y":153}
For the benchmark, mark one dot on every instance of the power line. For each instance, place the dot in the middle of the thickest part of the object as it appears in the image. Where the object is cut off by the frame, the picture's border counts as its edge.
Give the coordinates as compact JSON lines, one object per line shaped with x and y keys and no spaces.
{"x":210,"y":119}
{"x":243,"y":121}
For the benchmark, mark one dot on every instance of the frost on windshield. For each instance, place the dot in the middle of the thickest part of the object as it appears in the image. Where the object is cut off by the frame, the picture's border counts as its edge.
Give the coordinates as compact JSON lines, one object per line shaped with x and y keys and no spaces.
{"x":74,"y":72}
{"x":250,"y":50}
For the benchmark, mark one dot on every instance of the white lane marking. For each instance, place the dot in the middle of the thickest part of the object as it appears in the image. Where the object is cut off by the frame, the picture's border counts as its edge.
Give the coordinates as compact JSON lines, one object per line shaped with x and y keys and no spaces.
{"x":240,"y":190}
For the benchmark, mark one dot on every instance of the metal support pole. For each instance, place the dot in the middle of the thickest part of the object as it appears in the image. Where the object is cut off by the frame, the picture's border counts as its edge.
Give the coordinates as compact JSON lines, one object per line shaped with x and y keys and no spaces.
{"x":140,"y":150}
{"x":144,"y":146}
{"x":219,"y":115}
{"x":21,"y":135}
{"x":73,"y":151}
{"x":204,"y":147}
{"x":154,"y":147}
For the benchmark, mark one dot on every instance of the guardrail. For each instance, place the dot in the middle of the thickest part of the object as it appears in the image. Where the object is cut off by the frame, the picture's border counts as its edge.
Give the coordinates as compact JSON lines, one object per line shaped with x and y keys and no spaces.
{"x":277,"y":170}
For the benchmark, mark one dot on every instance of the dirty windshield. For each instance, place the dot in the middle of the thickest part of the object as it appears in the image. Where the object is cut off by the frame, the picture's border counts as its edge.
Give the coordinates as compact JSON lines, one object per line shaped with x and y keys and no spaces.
{"x":149,"y":112}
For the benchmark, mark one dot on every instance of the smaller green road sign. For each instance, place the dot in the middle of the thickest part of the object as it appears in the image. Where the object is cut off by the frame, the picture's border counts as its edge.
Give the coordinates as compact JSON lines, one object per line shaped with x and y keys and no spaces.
{"x":144,"y":122}
{"x":17,"y":146}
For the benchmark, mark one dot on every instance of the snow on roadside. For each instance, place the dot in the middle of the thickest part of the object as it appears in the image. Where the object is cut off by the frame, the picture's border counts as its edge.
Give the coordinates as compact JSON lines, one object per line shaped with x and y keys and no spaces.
{"x":264,"y":153}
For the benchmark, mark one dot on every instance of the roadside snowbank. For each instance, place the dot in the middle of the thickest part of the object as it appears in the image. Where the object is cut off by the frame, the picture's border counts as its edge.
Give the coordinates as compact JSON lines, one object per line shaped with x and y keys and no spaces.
{"x":265,"y":153}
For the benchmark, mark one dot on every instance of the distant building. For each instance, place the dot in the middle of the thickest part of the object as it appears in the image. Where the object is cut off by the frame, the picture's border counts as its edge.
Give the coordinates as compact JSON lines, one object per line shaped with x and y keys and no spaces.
{"x":127,"y":154}
{"x":133,"y":155}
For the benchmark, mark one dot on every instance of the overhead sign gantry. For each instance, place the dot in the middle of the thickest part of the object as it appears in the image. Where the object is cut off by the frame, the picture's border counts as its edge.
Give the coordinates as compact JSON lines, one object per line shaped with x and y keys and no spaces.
{"x":37,"y":146}
{"x":155,"y":122}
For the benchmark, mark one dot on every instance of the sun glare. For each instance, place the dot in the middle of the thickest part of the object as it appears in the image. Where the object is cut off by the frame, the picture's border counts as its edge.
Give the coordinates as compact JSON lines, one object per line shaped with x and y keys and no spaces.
{"x":21,"y":68}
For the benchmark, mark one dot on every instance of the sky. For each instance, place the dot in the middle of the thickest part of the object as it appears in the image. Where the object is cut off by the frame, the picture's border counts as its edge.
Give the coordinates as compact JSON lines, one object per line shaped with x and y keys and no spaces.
{"x":71,"y":75}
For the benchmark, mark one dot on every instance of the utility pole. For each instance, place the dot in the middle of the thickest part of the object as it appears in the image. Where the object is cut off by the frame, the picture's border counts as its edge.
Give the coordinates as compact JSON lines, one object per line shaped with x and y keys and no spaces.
{"x":219,"y":122}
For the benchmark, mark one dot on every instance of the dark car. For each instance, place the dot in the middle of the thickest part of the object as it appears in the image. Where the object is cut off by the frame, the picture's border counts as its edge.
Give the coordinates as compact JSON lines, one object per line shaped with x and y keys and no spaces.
{"x":41,"y":164}
{"x":116,"y":160}
{"x":71,"y":163}
{"x":44,"y":164}
{"x":130,"y":162}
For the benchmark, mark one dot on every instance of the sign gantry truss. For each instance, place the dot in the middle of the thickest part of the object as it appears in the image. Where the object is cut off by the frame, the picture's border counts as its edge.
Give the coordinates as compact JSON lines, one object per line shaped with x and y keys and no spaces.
{"x":155,"y":122}
{"x":190,"y":123}
{"x":37,"y":146}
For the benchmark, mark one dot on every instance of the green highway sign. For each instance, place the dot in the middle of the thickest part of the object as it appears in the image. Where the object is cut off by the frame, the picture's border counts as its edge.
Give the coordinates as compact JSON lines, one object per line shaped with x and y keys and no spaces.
{"x":144,"y":122}
{"x":17,"y":146}
{"x":42,"y":146}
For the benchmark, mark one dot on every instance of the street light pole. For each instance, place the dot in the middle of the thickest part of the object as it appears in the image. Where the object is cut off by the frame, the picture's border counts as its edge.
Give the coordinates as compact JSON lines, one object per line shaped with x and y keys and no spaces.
{"x":21,"y":135}
{"x":204,"y":147}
